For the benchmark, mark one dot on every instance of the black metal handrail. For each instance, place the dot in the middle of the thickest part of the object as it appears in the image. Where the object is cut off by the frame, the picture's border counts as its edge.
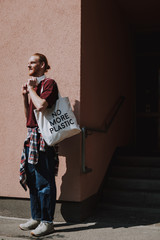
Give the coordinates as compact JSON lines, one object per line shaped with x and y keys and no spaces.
{"x":88,"y":131}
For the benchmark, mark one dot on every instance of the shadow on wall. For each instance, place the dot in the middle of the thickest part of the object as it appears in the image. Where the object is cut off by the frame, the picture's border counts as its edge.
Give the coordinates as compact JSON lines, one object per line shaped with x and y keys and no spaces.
{"x":70,"y":150}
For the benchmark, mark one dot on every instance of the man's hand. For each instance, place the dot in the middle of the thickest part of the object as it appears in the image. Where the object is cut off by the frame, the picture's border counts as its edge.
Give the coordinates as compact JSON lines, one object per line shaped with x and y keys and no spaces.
{"x":24,"y":89}
{"x":25,"y":98}
{"x":32,"y":83}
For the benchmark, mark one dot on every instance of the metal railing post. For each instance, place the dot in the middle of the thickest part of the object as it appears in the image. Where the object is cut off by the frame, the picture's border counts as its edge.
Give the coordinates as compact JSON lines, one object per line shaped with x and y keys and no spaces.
{"x":83,"y":148}
{"x":84,"y":168}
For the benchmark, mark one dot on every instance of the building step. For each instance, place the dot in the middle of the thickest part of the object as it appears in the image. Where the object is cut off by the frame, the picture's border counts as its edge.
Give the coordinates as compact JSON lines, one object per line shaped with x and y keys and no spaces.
{"x":132,"y":198}
{"x":105,"y":208}
{"x":135,"y":172}
{"x":138,"y":161}
{"x":149,"y":185}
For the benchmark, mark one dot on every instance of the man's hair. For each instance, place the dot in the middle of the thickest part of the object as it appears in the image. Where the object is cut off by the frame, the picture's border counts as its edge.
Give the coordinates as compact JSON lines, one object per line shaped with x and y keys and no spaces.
{"x":43,"y":58}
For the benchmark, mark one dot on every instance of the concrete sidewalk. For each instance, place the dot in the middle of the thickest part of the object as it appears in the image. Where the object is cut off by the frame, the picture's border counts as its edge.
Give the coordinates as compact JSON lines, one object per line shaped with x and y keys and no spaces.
{"x":101,"y":226}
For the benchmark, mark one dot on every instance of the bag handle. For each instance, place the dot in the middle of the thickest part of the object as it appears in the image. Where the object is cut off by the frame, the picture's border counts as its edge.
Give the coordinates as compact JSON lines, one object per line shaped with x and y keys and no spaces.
{"x":59,"y":95}
{"x":43,"y":85}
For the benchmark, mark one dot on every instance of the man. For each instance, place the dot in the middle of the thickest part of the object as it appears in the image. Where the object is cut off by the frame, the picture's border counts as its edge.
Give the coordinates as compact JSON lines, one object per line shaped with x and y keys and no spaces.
{"x":39,"y":161}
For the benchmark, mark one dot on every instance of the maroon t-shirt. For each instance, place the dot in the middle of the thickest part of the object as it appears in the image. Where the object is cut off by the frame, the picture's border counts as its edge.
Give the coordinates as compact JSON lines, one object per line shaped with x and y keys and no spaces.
{"x":49,"y":93}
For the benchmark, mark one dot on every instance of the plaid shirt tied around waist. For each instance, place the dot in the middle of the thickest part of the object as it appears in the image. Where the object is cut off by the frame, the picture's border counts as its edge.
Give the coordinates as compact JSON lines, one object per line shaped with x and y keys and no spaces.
{"x":36,"y":143}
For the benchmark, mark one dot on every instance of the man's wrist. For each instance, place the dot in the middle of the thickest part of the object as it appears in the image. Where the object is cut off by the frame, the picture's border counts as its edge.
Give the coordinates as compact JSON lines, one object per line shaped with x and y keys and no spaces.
{"x":30,"y":88}
{"x":25,"y":94}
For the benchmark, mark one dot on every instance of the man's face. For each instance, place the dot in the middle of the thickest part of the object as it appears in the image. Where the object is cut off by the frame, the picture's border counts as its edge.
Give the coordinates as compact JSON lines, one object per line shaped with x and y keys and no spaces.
{"x":35,"y":67}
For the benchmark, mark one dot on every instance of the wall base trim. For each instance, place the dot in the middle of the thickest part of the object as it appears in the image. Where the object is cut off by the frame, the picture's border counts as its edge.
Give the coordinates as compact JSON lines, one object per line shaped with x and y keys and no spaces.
{"x":64,"y":212}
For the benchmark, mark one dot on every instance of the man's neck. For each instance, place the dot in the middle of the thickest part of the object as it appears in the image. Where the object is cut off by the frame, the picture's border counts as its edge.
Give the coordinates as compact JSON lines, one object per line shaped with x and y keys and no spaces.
{"x":41,"y":78}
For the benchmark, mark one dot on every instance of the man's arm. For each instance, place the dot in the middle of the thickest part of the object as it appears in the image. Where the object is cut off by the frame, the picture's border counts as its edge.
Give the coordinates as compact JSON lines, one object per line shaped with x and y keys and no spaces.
{"x":25,"y":99}
{"x":40,"y":103}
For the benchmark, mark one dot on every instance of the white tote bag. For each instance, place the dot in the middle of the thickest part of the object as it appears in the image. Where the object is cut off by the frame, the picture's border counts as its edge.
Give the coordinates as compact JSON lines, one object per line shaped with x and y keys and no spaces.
{"x":57,"y":123}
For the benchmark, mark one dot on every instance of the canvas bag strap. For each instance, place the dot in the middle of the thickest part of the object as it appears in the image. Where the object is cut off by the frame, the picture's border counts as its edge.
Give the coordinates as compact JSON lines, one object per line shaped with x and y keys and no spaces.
{"x":42,"y":84}
{"x":59,"y":96}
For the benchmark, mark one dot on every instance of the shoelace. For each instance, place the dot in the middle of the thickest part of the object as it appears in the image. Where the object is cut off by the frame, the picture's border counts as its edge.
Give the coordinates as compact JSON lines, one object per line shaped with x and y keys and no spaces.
{"x":40,"y":225}
{"x":43,"y":223}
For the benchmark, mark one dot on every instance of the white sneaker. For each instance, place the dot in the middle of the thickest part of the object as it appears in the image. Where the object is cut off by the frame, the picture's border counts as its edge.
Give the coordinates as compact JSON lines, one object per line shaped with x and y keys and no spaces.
{"x":29,"y":225}
{"x":43,"y":228}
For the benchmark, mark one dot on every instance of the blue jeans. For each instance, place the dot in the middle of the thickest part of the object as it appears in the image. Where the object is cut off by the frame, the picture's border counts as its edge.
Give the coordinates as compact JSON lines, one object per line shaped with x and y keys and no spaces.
{"x":41,"y":183}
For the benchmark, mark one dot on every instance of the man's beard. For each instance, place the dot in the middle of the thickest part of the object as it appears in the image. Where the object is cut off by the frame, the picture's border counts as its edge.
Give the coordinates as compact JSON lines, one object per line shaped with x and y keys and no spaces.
{"x":32,"y":73}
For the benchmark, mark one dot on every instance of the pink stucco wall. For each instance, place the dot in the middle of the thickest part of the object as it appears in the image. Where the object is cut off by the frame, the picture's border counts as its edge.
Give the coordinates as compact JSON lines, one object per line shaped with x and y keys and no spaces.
{"x":53,"y":28}
{"x":88,"y":46}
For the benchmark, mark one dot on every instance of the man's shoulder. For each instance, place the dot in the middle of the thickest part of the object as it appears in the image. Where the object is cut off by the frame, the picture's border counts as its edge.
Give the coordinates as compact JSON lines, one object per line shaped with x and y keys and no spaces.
{"x":49,"y":82}
{"x":47,"y":79}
